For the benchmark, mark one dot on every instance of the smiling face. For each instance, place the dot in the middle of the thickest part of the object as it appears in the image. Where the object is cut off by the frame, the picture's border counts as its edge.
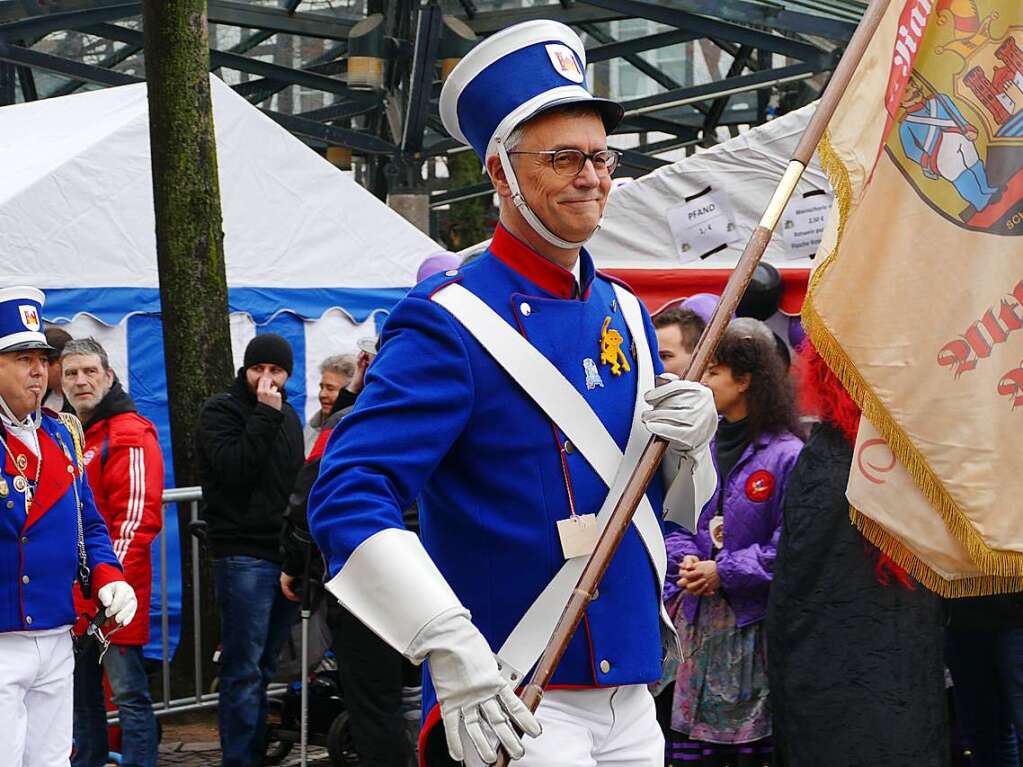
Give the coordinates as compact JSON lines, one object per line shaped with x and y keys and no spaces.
{"x":330,"y":385}
{"x":570,"y":206}
{"x":23,"y":380}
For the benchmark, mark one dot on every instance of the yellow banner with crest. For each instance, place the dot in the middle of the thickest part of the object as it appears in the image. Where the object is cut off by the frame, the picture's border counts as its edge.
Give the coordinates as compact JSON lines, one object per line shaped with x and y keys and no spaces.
{"x":918,"y":302}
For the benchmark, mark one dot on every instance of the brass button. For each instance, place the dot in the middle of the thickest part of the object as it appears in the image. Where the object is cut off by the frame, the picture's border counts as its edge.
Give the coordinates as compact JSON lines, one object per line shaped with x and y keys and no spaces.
{"x":24,"y":579}
{"x":24,"y":540}
{"x":604,"y":666}
{"x":70,"y":469}
{"x":526,"y":309}
{"x":569,"y":447}
{"x":28,"y":619}
{"x":451,"y":273}
{"x":10,"y":504}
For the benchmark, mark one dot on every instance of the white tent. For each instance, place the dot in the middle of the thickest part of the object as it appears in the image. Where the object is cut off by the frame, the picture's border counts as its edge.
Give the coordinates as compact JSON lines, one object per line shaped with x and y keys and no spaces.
{"x":680,"y":230}
{"x":301,"y":237}
{"x":310,"y":254}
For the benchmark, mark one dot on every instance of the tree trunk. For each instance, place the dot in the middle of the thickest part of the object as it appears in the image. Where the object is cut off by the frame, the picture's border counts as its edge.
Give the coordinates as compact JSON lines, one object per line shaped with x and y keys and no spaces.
{"x":190,"y":255}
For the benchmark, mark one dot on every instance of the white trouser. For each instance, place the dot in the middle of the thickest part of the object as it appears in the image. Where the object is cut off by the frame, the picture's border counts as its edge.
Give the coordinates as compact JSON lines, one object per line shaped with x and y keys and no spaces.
{"x":606,"y":727}
{"x":36,"y":699}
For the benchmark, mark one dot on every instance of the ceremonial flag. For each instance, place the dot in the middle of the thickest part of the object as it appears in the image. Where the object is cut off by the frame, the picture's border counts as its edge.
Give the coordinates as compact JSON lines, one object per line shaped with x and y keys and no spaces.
{"x":918,"y":304}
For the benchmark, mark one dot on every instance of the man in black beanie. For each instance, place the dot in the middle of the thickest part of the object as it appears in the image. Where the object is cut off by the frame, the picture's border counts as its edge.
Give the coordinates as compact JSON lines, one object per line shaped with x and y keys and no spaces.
{"x":250,"y":450}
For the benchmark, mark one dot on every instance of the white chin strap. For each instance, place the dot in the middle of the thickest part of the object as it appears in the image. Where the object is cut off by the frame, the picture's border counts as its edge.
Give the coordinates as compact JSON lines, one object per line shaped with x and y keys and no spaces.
{"x":531,"y":218}
{"x":36,"y":419}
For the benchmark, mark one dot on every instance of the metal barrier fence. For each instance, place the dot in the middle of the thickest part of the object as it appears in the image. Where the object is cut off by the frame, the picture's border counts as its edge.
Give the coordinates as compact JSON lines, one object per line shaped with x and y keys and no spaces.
{"x":199,"y":698}
{"x":191,"y":496}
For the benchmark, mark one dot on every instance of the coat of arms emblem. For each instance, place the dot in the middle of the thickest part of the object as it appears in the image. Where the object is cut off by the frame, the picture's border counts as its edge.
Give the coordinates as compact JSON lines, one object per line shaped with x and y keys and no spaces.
{"x":29,"y":317}
{"x":958,"y":134}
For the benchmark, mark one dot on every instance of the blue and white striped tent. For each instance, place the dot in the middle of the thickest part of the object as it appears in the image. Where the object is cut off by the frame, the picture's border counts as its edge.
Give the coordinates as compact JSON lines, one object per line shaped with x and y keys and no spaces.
{"x":310,"y":254}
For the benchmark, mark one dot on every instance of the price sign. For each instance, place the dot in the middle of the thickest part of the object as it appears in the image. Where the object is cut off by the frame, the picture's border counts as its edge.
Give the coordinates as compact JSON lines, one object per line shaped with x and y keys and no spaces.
{"x":702,"y":225}
{"x":802,"y":226}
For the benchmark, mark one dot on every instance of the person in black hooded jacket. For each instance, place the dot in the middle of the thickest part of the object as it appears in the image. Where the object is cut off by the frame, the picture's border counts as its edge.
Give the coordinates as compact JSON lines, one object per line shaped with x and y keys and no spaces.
{"x":250,"y":450}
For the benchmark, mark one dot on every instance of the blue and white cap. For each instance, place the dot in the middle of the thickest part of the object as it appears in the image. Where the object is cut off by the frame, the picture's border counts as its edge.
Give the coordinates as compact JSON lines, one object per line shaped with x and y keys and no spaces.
{"x":21,"y":320}
{"x":509,"y":78}
{"x":514,"y":75}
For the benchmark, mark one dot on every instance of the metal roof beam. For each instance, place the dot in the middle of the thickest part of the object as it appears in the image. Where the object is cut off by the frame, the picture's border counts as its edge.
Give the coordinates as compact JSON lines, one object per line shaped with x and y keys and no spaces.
{"x":646,"y":124}
{"x":638,"y":45}
{"x":364,"y":143}
{"x":109,"y":62}
{"x":717,"y":108}
{"x":260,"y":90}
{"x":486,"y":22}
{"x":76,"y":70}
{"x":707,"y":27}
{"x":772,"y":16}
{"x":440,"y":199}
{"x":218,"y":59}
{"x":235,"y":14}
{"x":250,"y":42}
{"x":729,"y":86}
{"x":641,"y":162}
{"x":343,"y":110}
{"x":644,"y":66}
{"x":35,"y":27}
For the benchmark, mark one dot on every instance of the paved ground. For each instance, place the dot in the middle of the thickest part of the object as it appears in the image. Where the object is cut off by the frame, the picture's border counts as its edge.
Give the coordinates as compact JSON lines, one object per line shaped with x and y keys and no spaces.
{"x":207,"y":754}
{"x":190,"y":740}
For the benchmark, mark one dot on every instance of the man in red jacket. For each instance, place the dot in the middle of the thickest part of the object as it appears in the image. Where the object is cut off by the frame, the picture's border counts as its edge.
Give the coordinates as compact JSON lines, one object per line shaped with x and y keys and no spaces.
{"x":125,"y":471}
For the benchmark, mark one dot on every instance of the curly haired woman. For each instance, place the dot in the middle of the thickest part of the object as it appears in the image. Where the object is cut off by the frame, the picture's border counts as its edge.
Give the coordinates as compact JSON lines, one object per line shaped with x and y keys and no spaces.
{"x":721,"y":574}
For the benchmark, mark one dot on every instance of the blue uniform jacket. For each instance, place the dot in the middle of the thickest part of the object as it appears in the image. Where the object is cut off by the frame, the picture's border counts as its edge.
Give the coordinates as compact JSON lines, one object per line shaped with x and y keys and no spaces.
{"x":439,"y":419}
{"x":39,"y":552}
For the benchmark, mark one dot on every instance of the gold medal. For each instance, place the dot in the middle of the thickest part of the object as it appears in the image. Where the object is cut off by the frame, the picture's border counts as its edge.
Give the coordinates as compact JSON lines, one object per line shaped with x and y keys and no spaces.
{"x":21,"y":462}
{"x":611,"y":349}
{"x":20,"y":484}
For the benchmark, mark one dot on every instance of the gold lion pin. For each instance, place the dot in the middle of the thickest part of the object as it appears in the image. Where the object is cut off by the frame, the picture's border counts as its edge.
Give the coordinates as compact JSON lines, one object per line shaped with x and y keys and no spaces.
{"x":611,"y":349}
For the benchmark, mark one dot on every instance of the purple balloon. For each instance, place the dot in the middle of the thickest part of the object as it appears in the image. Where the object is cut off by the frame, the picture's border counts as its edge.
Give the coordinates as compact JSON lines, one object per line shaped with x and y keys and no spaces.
{"x":703,"y":304}
{"x":438,"y":262}
{"x":796,"y":333}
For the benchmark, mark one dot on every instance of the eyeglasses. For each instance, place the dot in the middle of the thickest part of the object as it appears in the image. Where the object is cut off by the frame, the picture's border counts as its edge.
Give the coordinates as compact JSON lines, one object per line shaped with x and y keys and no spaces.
{"x":570,"y":162}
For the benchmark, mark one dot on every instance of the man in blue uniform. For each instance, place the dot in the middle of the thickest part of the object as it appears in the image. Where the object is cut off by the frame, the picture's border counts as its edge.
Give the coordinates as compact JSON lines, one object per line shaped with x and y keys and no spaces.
{"x":50,"y":535}
{"x":513,"y":397}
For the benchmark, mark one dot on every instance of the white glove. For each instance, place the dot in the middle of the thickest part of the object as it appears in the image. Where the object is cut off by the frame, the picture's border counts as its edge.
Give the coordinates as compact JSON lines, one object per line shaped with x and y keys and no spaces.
{"x":682,"y":413}
{"x":119,"y":600}
{"x":474,"y":698}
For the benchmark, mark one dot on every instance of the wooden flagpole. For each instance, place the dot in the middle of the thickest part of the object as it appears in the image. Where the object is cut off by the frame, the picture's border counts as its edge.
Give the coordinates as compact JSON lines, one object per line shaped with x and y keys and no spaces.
{"x":650,"y":460}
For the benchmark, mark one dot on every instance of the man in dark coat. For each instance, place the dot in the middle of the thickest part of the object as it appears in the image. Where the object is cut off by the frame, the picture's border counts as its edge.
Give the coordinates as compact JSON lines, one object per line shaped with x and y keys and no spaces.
{"x":250,"y":451}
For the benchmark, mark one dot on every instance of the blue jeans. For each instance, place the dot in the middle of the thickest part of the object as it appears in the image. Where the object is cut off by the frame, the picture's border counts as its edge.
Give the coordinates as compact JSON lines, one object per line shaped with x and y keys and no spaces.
{"x":255,"y":621}
{"x":129,"y":686}
{"x":987,"y":669}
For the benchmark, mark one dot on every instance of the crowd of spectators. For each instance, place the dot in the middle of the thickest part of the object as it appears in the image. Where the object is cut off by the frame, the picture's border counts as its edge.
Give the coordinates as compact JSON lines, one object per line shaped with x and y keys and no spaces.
{"x":789,"y":621}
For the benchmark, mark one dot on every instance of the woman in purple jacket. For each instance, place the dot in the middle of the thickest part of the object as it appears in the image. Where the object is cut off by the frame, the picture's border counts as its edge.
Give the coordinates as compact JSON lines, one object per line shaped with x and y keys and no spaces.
{"x":720,"y":576}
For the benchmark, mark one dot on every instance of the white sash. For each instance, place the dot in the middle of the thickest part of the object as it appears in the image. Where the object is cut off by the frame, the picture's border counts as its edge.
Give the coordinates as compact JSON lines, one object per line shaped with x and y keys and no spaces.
{"x":564,"y":405}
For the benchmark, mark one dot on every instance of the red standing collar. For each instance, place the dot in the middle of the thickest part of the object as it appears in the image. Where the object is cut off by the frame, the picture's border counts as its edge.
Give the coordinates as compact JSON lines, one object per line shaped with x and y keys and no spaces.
{"x":520,"y":258}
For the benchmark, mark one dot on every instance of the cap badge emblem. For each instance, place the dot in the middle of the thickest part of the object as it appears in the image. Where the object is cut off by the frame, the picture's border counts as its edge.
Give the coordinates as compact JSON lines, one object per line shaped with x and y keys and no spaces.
{"x":29,"y":316}
{"x":565,"y":63}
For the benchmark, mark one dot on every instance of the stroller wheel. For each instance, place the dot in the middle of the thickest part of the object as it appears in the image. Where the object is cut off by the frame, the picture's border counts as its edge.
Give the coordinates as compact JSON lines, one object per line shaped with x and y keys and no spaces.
{"x":277,"y":751}
{"x":339,"y":742}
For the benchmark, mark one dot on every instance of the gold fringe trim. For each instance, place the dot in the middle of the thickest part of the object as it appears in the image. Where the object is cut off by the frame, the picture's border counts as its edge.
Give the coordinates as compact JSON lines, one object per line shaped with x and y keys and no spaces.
{"x":993,"y":562}
{"x":979,"y":586}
